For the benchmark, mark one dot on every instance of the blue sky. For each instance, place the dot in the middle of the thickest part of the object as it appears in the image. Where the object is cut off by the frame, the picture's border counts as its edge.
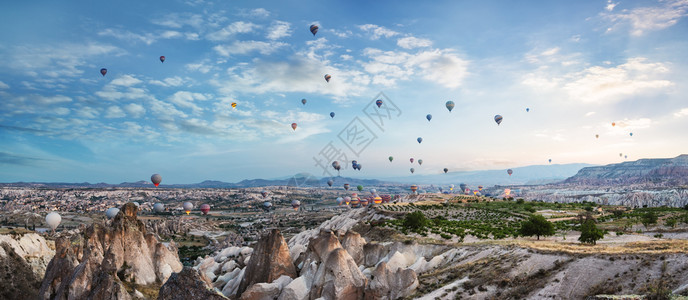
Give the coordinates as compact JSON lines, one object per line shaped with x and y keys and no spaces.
{"x":577,"y":65}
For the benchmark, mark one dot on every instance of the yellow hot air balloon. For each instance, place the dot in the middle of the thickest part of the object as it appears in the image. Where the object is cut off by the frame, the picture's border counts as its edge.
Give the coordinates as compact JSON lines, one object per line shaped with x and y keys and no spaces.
{"x":233,"y":104}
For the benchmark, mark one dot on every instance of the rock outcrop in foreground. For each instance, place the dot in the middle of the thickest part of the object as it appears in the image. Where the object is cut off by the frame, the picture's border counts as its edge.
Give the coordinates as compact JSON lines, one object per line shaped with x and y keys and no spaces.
{"x":187,"y":285}
{"x":109,"y":261}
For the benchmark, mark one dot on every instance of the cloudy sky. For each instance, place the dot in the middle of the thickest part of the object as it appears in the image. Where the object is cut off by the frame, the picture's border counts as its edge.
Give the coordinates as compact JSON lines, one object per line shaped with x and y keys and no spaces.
{"x":577,"y":66}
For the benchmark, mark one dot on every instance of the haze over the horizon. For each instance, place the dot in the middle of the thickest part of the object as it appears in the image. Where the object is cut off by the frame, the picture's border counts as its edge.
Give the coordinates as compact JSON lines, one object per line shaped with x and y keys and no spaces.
{"x":578,"y":66}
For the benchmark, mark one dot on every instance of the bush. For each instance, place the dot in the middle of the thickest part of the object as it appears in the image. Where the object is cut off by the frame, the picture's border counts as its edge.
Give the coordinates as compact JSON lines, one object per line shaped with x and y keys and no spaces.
{"x":416,"y":221}
{"x":536,"y":225}
{"x":649,"y":218}
{"x":670,"y":222}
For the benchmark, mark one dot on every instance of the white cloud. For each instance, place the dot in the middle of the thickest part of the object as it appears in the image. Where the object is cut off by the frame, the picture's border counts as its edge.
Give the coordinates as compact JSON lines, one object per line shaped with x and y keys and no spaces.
{"x":169,"y":82}
{"x":232,"y":29}
{"x":165,"y":111}
{"x":440,"y":66}
{"x":114,"y":112}
{"x":681,"y":113}
{"x":128,"y":36}
{"x":631,"y":124}
{"x":244,"y":47}
{"x":279,"y":29}
{"x":87,"y":112}
{"x":135,"y":110}
{"x":175,"y":20}
{"x":203,"y":67}
{"x":259,"y":12}
{"x":341,"y":34}
{"x":590,"y":113}
{"x":602,"y":84}
{"x":186,"y":100}
{"x":645,"y":19}
{"x":4,"y":85}
{"x":377,"y":31}
{"x":413,"y":42}
{"x":125,"y":80}
{"x":610,"y":5}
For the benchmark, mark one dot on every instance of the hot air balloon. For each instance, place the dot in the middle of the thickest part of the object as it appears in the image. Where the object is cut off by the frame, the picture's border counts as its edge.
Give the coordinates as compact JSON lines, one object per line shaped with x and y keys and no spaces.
{"x":303,"y":101}
{"x":327,"y":77}
{"x":188,"y":206}
{"x":364,"y":202}
{"x":336,"y":165}
{"x":475,"y":192}
{"x":527,"y":109}
{"x":339,"y":200}
{"x":332,"y":114}
{"x":355,"y":202}
{"x":412,"y":170}
{"x":420,"y":162}
{"x":446,"y":170}
{"x":354,"y":163}
{"x":205,"y":208}
{"x":358,"y":167}
{"x":162,"y":59}
{"x":264,"y":193}
{"x":631,"y":134}
{"x":158,"y":207}
{"x":480,"y":188}
{"x":347,"y":200}
{"x":377,"y":200}
{"x":346,"y":186}
{"x":620,"y":154}
{"x":111,"y":212}
{"x":359,"y":188}
{"x":509,"y":171}
{"x":507,"y":192}
{"x":451,"y":187}
{"x":420,"y":139}
{"x":463,"y":187}
{"x":373,"y":191}
{"x":429,"y":117}
{"x":411,"y":160}
{"x":414,"y":188}
{"x":53,"y":219}
{"x":156,"y":179}
{"x":267,"y":205}
{"x":391,"y":158}
{"x":314,"y":29}
{"x":295,"y":204}
{"x":103,"y":71}
{"x":597,"y":136}
{"x":330,"y":182}
{"x":450,"y":105}
{"x":293,"y":126}
{"x":550,"y":160}
{"x":234,"y":104}
{"x":625,"y":156}
{"x":498,"y":119}
{"x":613,"y":124}
{"x":378,"y":102}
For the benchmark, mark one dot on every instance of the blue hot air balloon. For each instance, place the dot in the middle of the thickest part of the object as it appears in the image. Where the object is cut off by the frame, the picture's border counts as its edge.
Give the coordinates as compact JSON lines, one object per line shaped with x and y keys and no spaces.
{"x":450,"y":105}
{"x":498,"y":119}
{"x":332,"y":114}
{"x":314,"y":29}
{"x":378,"y":102}
{"x":527,"y":109}
{"x":420,"y":139}
{"x":429,"y":117}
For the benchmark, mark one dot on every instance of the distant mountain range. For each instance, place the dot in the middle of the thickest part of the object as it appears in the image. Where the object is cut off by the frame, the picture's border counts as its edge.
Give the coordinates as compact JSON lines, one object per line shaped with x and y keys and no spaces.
{"x":661,"y":171}
{"x":657,"y":171}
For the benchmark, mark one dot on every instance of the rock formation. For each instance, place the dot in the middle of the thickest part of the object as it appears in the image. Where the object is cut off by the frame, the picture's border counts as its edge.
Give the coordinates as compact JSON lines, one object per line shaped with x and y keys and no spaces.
{"x":269,"y":261}
{"x":113,"y":256}
{"x":17,"y":280}
{"x":187,"y":285}
{"x":33,"y":249}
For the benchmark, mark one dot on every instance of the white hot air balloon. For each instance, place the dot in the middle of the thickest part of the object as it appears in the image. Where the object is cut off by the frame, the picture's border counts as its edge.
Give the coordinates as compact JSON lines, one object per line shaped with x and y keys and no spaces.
{"x":188,"y":206}
{"x":158,"y":207}
{"x":111,"y":212}
{"x":53,"y":219}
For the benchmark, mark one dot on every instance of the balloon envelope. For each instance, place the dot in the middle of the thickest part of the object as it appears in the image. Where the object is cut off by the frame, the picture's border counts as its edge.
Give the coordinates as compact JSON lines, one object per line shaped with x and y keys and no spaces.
{"x":414,"y":188}
{"x":346,"y":186}
{"x":205,"y":208}
{"x":498,"y":119}
{"x":103,"y":71}
{"x":53,"y":219}
{"x":378,"y":102}
{"x":111,"y":212}
{"x":509,"y":171}
{"x":332,"y":114}
{"x":420,"y":162}
{"x":327,"y":77}
{"x":429,"y":117}
{"x":264,"y":193}
{"x":391,"y":159}
{"x":359,"y":188}
{"x":293,"y":126}
{"x":234,"y":104}
{"x":303,"y":101}
{"x":162,"y":59}
{"x":527,"y":109}
{"x":314,"y":29}
{"x":339,"y":200}
{"x":450,"y":105}
{"x":411,"y":159}
{"x":420,"y":139}
{"x":446,"y":170}
{"x":412,"y":170}
{"x":156,"y":179}
{"x":158,"y":207}
{"x":295,"y":204}
{"x":330,"y":182}
{"x":188,"y":206}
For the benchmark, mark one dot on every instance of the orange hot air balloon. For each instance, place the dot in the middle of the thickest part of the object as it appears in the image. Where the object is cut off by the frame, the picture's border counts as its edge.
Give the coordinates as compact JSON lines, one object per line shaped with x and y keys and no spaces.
{"x":613,"y":124}
{"x":377,"y":200}
{"x":414,"y":188}
{"x":293,"y":126}
{"x":233,"y":104}
{"x":507,"y":192}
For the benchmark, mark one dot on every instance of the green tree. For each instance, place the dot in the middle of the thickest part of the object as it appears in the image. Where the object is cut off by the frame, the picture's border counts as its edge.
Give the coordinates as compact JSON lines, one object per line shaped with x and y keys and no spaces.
{"x":670,"y":222}
{"x":536,"y":225}
{"x":590,"y":233}
{"x":649,"y":218}
{"x":416,"y":221}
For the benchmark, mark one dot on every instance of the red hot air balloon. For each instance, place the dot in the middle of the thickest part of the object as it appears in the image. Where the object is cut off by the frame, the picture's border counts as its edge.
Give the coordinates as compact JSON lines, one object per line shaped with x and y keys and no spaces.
{"x":509,"y":171}
{"x":205,"y":208}
{"x":162,"y":59}
{"x":103,"y":71}
{"x":293,"y":126}
{"x":346,"y":186}
{"x":378,"y":102}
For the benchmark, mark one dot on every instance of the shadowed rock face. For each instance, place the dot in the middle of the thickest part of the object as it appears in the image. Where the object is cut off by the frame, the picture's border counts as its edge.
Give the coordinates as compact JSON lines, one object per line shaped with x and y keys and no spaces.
{"x":353,"y":243}
{"x":391,"y":284}
{"x":187,"y":285}
{"x":118,"y":252}
{"x":17,"y":281}
{"x":269,"y":261}
{"x":338,"y":278}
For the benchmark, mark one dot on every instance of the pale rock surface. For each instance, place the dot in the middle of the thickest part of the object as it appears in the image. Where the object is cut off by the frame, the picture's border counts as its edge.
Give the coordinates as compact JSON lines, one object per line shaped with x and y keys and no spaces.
{"x":188,"y":285}
{"x":338,"y":277}
{"x":269,"y":261}
{"x":295,"y":290}
{"x":388,"y":284}
{"x":261,"y":291}
{"x":353,"y":243}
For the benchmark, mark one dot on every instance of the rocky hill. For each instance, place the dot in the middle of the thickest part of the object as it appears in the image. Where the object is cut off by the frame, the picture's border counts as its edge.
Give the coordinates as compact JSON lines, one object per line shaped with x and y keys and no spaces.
{"x":23,"y":260}
{"x":665,"y":172}
{"x":109,"y":261}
